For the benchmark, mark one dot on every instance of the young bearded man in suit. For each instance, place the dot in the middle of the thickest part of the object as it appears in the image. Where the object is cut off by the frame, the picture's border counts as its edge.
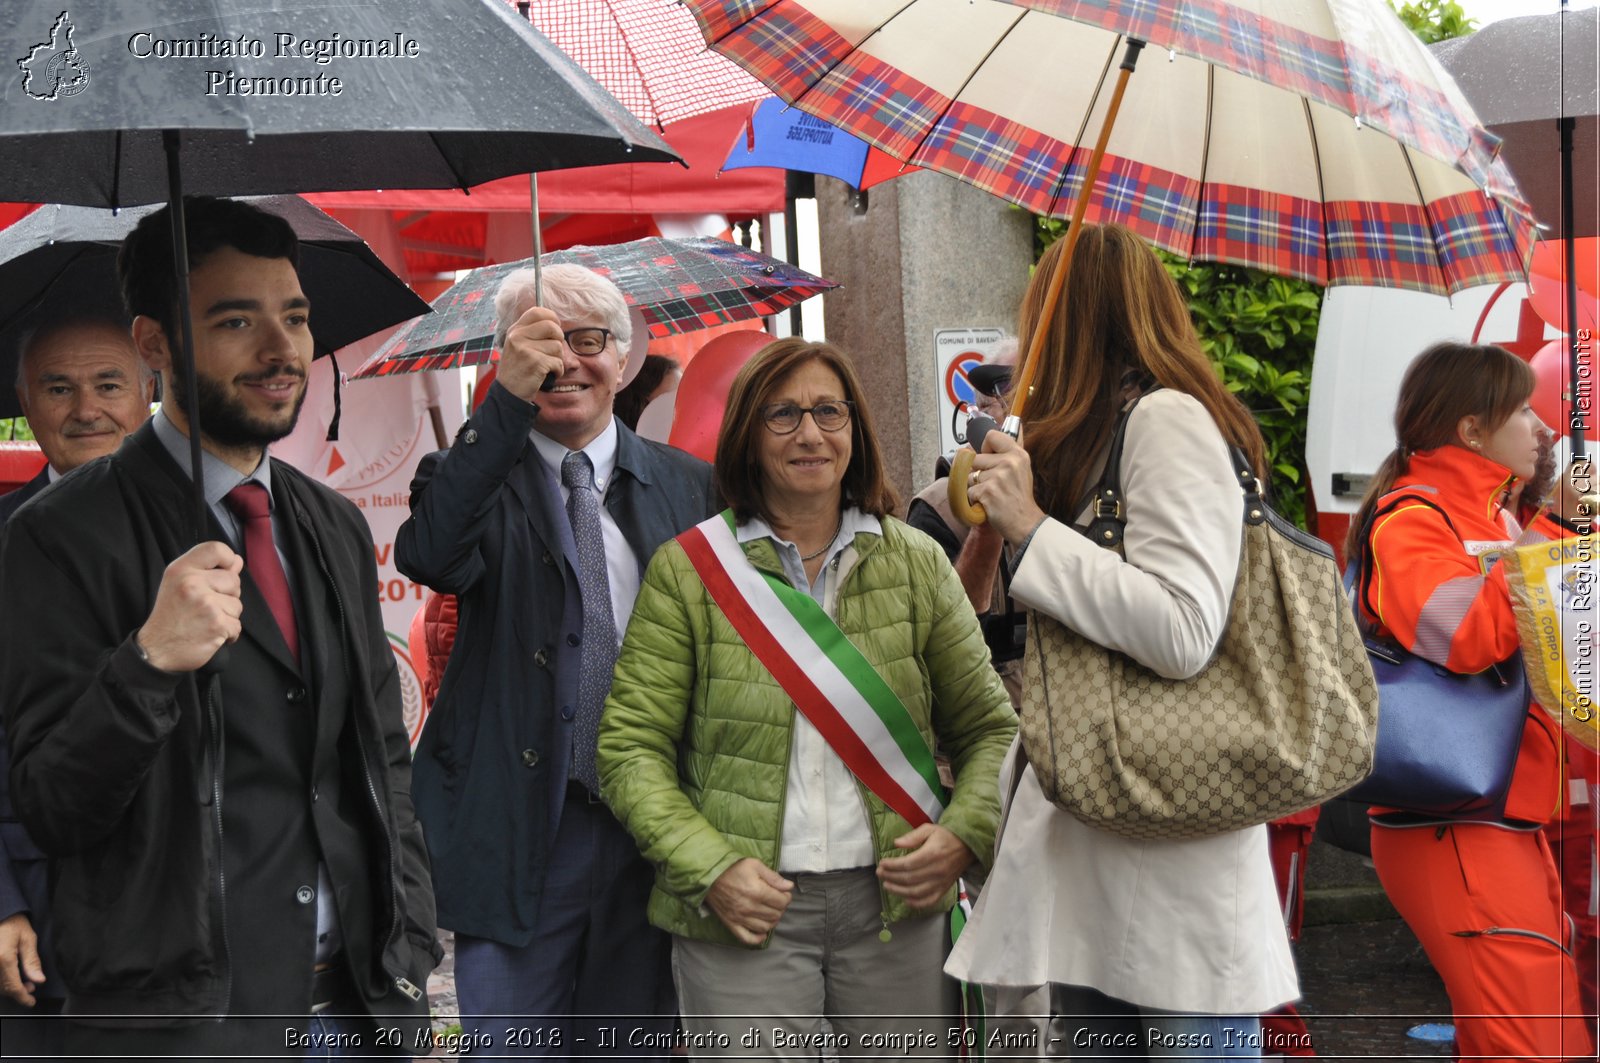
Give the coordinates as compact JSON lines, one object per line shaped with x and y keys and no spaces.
{"x":237,"y":866}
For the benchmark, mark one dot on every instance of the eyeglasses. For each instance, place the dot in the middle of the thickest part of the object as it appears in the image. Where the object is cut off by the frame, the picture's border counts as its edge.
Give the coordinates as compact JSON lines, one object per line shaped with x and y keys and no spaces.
{"x":587,"y":342}
{"x":784,"y":417}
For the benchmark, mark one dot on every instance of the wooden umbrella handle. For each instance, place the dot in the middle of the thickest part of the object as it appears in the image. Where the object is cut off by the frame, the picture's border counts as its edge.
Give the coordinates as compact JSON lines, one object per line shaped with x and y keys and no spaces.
{"x":964,"y":509}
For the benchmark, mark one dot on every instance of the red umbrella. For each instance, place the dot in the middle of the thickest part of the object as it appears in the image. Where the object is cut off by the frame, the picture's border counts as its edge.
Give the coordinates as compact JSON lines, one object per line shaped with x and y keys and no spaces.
{"x":647,"y":53}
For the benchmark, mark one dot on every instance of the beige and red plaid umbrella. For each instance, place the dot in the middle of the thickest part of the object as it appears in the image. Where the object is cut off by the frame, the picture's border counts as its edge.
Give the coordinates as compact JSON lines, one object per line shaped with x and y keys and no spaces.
{"x":1312,"y":138}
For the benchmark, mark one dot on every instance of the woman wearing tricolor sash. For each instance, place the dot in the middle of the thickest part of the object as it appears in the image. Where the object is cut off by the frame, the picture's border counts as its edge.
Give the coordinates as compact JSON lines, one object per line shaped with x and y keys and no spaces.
{"x":791,"y":667}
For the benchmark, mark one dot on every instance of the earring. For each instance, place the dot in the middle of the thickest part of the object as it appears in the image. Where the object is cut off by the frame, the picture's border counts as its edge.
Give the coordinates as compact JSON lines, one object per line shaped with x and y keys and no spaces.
{"x":1476,"y":443}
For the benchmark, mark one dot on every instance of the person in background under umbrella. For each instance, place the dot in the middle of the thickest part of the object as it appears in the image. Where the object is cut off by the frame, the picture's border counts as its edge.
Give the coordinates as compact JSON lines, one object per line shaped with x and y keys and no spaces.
{"x":1481,"y":891}
{"x":539,"y":520}
{"x":657,"y":376}
{"x":82,"y":387}
{"x":985,"y":578}
{"x":237,"y":869}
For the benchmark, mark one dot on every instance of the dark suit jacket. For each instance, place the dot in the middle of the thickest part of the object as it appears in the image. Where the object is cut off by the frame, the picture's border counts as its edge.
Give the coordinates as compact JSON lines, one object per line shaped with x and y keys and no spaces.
{"x":488,"y":525}
{"x":10,"y":503}
{"x":185,"y":817}
{"x":23,"y":869}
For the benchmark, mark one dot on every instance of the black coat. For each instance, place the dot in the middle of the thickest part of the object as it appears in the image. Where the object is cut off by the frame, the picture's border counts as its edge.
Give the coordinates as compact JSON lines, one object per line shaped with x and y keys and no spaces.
{"x":123,"y":773}
{"x":23,"y":885}
{"x":488,"y":525}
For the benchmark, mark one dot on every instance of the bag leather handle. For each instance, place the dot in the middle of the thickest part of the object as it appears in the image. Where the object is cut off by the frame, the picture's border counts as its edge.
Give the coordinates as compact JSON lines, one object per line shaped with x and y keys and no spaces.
{"x":1104,"y":500}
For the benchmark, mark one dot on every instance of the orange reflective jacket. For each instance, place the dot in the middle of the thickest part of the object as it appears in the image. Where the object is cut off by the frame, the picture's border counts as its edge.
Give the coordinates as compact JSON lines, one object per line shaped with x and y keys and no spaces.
{"x":1437,"y":589}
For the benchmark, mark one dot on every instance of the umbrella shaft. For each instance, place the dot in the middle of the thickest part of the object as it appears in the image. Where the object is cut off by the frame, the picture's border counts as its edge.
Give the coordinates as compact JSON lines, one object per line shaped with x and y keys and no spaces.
{"x":1030,"y":364}
{"x":186,"y":366}
{"x":1581,"y":388}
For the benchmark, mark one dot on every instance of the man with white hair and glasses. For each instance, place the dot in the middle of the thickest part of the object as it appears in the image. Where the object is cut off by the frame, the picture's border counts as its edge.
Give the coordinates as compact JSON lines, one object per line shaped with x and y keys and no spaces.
{"x":540,"y":520}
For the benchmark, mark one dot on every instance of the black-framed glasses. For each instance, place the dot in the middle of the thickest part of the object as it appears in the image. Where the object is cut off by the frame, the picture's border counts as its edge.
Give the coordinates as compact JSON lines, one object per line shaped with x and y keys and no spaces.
{"x":587,"y":342}
{"x":781,"y":418}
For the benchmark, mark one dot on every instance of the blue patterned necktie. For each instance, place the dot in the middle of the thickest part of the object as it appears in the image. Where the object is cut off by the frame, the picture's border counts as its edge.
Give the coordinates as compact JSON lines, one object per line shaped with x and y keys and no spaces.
{"x":599,"y":626}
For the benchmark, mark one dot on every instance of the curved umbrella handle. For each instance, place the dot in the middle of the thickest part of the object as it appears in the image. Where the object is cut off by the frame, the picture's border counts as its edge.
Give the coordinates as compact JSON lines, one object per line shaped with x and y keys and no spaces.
{"x":966,"y":511}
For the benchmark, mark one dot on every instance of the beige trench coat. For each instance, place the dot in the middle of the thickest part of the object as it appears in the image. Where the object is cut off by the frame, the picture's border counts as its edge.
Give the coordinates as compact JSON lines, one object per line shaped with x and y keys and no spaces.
{"x":1191,"y":925}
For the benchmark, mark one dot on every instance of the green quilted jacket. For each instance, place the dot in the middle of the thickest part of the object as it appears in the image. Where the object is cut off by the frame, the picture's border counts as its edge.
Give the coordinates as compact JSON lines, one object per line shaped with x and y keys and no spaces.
{"x":694,"y":741}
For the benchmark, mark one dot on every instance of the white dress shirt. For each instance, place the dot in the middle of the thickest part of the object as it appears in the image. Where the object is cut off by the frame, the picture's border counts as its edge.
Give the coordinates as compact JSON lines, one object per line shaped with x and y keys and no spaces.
{"x":825,"y":825}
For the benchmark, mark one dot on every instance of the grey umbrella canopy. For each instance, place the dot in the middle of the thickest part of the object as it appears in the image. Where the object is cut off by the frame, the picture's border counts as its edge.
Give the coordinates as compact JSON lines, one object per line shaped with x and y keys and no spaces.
{"x":291,"y":97}
{"x":116,"y":104}
{"x":60,"y":263}
{"x":1532,"y":81}
{"x":1512,"y":72}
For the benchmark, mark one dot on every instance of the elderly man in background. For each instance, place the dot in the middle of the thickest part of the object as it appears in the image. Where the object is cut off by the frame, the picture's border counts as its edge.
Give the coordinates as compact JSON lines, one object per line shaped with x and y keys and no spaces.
{"x":985,"y":577}
{"x":540,"y":519}
{"x":82,"y":387}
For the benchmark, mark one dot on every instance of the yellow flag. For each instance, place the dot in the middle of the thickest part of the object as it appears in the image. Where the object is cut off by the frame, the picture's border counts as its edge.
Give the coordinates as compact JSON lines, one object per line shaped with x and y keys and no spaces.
{"x":1554,"y":592}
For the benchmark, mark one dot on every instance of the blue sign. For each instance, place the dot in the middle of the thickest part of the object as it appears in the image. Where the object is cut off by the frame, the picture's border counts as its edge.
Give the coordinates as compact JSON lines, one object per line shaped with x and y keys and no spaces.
{"x":789,"y":139}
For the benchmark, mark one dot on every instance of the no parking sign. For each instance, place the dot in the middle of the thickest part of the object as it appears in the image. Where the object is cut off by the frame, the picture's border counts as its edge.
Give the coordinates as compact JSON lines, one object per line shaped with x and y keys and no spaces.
{"x":957,"y":352}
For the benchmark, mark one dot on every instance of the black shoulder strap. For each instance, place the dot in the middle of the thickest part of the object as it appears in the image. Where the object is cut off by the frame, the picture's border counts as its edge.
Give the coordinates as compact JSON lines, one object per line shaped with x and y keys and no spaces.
{"x":1386,"y":506}
{"x":1105,"y":498}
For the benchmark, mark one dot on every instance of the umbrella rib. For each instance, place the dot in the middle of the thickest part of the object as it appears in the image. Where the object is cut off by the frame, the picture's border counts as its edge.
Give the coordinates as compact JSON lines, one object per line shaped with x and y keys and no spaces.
{"x":633,"y":59}
{"x":1083,"y":126}
{"x":965,"y":82}
{"x":116,"y":170}
{"x":1322,"y":193}
{"x":445,"y":157}
{"x":1427,"y":217}
{"x":854,"y":48}
{"x":1205,"y":160}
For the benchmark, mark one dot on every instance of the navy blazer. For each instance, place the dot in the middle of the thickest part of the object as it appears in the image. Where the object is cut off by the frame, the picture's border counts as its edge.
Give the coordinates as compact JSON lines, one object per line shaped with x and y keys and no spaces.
{"x":488,"y":525}
{"x":24,"y":872}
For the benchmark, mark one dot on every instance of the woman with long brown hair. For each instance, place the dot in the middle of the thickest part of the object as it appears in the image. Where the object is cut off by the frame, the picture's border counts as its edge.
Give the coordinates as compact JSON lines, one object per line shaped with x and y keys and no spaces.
{"x":1481,"y":893}
{"x":1171,"y":947}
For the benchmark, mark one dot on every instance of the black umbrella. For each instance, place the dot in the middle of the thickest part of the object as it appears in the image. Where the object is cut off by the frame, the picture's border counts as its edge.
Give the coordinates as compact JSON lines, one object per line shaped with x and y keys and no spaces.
{"x":352,"y":95}
{"x":119,"y":103}
{"x":61,"y":262}
{"x":1532,"y":81}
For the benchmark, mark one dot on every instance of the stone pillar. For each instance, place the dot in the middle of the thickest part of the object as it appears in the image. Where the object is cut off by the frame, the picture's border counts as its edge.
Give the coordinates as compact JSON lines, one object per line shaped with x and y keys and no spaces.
{"x":929,"y":253}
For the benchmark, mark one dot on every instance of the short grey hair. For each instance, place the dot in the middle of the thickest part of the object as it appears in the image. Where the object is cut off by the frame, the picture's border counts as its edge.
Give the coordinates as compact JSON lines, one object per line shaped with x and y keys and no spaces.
{"x":1006,"y":352}
{"x":34,"y":336}
{"x":573,"y":292}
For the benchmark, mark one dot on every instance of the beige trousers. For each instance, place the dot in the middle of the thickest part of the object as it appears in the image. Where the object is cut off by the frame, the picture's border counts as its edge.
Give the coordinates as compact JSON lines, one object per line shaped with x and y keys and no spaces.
{"x":825,"y":961}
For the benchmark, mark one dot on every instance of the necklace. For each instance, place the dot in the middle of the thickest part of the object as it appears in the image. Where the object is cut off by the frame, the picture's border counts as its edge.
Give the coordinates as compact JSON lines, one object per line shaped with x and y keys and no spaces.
{"x":818,"y":553}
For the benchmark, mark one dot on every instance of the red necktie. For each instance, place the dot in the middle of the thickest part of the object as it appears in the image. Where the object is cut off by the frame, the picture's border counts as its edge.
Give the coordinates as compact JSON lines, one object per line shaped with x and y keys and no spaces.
{"x":252,"y":506}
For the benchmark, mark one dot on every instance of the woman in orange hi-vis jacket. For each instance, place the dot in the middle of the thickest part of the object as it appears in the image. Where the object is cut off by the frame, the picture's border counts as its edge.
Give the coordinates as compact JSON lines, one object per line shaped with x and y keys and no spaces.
{"x":1482,"y":895}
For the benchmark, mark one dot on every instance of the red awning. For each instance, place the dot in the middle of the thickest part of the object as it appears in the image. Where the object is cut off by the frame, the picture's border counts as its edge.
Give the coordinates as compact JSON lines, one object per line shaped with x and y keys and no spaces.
{"x":638,"y":188}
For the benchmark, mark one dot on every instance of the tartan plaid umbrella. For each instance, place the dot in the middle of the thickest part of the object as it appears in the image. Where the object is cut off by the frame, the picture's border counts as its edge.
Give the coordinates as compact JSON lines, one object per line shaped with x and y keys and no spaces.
{"x":676,"y":285}
{"x":1312,"y":138}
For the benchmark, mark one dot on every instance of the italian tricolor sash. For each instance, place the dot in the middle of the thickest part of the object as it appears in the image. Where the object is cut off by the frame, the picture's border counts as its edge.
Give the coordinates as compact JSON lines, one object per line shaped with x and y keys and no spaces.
{"x":829,"y":680}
